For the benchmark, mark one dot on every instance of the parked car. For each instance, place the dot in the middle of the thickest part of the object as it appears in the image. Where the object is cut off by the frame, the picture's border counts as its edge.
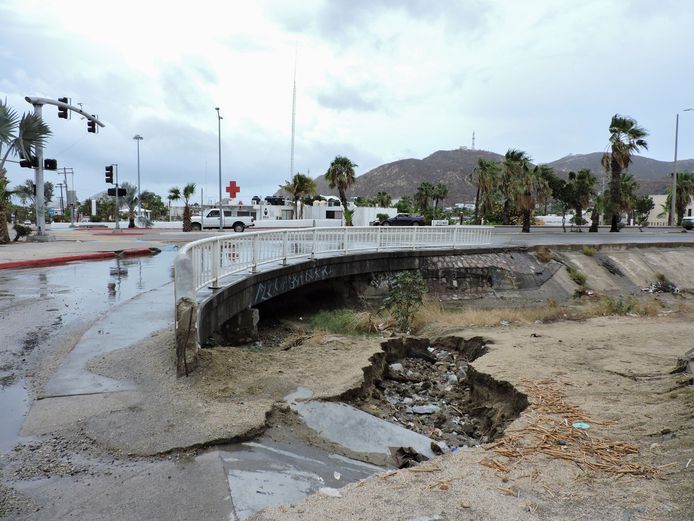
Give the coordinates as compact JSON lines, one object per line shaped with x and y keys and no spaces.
{"x":210,"y":219}
{"x":688,"y":222}
{"x":402,"y":219}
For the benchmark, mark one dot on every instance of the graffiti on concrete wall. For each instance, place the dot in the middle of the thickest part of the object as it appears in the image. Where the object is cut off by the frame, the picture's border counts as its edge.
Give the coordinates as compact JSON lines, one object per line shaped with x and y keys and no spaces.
{"x":269,"y":289}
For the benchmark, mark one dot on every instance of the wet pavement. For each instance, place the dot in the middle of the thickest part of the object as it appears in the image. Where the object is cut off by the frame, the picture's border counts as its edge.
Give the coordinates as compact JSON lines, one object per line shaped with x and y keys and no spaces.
{"x":41,"y":308}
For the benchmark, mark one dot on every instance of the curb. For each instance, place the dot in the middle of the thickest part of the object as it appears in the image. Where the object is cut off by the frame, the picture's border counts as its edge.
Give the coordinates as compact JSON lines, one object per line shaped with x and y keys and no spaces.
{"x":34,"y":263}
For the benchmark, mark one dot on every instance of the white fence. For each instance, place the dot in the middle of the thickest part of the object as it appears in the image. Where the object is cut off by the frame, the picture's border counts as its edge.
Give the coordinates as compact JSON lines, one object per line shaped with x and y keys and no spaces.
{"x":217,"y":257}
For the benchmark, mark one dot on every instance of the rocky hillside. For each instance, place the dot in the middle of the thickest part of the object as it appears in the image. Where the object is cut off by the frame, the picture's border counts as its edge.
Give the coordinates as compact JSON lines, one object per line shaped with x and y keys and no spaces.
{"x":453,"y":167}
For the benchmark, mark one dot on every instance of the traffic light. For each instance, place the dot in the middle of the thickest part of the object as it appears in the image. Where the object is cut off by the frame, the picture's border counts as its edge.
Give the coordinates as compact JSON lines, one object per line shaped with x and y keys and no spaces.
{"x":112,"y":192}
{"x":109,"y":174}
{"x":91,"y":125}
{"x":29,"y":163}
{"x":50,"y":164}
{"x":63,"y":111}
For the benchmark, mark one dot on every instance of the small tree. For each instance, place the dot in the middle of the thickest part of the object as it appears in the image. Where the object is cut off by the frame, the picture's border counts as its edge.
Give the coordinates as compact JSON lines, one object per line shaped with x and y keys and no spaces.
{"x":405,"y":295}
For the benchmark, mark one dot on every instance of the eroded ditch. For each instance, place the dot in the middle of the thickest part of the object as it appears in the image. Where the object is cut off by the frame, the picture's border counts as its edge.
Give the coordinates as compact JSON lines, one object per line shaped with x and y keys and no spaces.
{"x":429,"y":387}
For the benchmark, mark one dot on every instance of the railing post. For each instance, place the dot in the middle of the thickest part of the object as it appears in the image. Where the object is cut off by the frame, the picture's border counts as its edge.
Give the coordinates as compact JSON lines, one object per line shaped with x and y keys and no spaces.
{"x":216,"y":260}
{"x":345,"y":238}
{"x":254,"y":259}
{"x":285,"y":239}
{"x":313,"y":244}
{"x":414,"y":237}
{"x":378,"y":238}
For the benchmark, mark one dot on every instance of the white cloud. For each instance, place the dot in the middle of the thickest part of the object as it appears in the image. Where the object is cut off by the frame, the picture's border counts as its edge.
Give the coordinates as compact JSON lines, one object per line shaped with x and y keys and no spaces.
{"x":377,"y":80}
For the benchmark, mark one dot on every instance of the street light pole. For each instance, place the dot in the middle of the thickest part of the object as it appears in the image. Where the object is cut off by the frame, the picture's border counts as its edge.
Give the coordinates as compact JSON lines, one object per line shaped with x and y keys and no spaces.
{"x":673,"y":193}
{"x":138,"y":138}
{"x":219,"y":135}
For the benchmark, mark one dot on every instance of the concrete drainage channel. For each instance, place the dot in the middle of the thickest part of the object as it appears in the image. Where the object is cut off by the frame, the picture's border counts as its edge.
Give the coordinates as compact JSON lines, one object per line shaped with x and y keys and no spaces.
{"x":419,"y":399}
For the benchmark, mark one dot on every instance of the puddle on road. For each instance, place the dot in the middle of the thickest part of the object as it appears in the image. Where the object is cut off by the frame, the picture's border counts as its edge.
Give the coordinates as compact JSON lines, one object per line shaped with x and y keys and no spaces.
{"x":14,"y":401}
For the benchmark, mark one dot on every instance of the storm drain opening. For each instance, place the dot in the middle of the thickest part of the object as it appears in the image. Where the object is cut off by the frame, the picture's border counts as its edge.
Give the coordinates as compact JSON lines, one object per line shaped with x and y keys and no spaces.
{"x":430,"y":387}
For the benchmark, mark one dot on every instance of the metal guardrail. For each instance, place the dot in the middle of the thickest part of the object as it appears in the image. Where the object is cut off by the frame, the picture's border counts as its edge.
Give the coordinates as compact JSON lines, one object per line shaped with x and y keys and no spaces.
{"x":217,"y":257}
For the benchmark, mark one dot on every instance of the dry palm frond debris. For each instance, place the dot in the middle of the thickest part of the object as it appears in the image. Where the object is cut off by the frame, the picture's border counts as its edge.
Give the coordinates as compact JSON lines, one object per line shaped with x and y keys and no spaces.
{"x":550,"y":432}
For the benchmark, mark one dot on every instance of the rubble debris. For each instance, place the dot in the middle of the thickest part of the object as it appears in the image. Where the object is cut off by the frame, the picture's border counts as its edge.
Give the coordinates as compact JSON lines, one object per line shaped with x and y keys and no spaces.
{"x":406,"y":457}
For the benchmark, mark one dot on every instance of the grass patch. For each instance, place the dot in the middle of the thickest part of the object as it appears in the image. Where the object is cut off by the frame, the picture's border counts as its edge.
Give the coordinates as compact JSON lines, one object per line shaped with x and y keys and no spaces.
{"x":433,"y":313}
{"x":622,"y":306}
{"x":577,"y":276}
{"x":589,"y":251}
{"x":344,"y":322}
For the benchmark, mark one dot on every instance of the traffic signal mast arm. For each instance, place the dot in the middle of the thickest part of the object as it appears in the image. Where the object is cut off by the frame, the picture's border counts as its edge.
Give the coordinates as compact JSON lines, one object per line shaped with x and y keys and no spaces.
{"x":60,"y":104}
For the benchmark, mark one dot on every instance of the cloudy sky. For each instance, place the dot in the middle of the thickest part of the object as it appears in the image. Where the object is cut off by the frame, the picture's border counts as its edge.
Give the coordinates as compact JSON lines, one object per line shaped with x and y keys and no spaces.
{"x":377,"y":81}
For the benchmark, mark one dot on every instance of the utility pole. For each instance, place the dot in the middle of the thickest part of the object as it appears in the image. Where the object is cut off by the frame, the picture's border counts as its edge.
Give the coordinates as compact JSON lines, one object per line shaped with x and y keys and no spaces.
{"x":138,"y":138}
{"x":291,"y":159}
{"x":117,"y":208}
{"x":219,"y":134}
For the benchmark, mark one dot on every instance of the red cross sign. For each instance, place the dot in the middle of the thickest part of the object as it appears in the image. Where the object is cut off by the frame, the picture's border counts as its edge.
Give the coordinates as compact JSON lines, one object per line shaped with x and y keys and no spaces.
{"x":232,"y":189}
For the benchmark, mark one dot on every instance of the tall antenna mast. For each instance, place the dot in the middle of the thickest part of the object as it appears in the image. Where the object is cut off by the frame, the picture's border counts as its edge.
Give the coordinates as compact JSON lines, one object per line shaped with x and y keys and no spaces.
{"x":473,"y":140}
{"x":291,"y":161}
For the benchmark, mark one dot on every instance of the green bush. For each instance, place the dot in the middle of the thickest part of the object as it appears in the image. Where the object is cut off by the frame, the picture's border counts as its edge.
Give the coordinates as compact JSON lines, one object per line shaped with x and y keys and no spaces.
{"x":577,"y":276}
{"x":589,"y":251}
{"x":405,"y":296}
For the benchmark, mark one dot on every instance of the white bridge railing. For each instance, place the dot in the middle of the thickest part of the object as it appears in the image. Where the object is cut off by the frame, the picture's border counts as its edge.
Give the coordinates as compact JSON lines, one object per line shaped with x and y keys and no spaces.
{"x":217,"y":257}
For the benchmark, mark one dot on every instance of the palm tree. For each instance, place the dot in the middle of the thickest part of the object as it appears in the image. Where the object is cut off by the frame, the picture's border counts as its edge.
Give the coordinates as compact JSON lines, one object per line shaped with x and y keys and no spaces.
{"x":486,"y":177}
{"x":341,"y":175}
{"x":516,"y":167}
{"x":439,"y":194}
{"x":298,"y":187}
{"x":174,"y":195}
{"x":20,"y":137}
{"x":528,"y":188}
{"x":188,"y":191}
{"x":582,"y":187}
{"x":628,"y":186}
{"x":626,"y":138}
{"x":684,"y":196}
{"x":383,"y":199}
{"x":130,"y":200}
{"x":422,"y":196}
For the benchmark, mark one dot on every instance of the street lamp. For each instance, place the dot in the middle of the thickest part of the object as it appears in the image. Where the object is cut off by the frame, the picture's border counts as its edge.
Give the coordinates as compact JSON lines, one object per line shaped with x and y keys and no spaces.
{"x":138,"y":138}
{"x":673,"y":193}
{"x":219,"y":135}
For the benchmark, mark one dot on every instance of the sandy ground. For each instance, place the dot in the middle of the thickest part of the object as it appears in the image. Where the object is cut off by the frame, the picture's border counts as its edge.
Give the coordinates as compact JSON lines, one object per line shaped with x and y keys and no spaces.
{"x":227,"y":399}
{"x":612,"y":372}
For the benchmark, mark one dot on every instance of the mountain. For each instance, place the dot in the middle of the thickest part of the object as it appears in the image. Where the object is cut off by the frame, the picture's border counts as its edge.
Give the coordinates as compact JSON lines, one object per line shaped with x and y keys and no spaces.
{"x":453,"y":167}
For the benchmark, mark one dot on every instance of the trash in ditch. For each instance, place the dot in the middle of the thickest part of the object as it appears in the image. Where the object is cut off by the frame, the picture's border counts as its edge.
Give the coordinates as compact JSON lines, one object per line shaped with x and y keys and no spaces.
{"x":337,"y":475}
{"x":426,"y":409}
{"x":406,"y":457}
{"x":329,"y":491}
{"x":580,"y":425}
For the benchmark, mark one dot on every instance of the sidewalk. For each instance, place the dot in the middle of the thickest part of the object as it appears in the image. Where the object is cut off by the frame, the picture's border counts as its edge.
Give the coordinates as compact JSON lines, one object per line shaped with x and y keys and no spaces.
{"x":81,"y":244}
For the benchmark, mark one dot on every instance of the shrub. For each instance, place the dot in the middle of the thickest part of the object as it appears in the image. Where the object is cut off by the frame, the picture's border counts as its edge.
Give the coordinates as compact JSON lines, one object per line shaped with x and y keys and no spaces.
{"x":589,"y":251}
{"x":405,"y":296}
{"x":577,"y":276}
{"x":381,"y":216}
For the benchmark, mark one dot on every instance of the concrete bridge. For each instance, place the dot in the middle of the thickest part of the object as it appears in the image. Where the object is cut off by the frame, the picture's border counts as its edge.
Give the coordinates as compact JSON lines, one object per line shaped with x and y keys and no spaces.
{"x":220,"y":279}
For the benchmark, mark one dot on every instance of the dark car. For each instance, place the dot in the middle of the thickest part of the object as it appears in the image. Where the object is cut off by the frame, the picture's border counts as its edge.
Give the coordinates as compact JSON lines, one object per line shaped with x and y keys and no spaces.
{"x":402,"y":219}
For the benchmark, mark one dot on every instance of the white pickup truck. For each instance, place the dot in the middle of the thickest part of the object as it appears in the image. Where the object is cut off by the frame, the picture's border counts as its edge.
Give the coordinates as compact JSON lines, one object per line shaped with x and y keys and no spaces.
{"x":210,"y":219}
